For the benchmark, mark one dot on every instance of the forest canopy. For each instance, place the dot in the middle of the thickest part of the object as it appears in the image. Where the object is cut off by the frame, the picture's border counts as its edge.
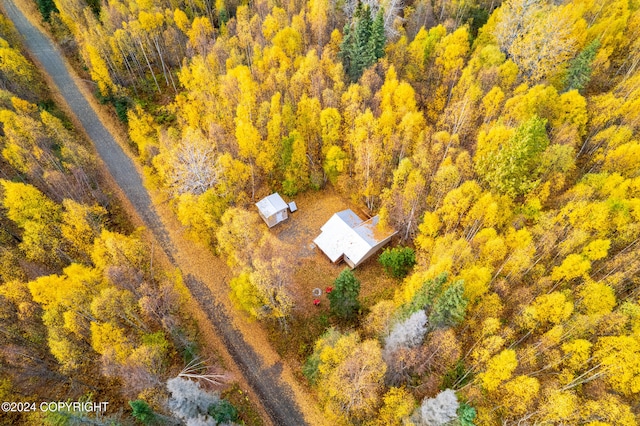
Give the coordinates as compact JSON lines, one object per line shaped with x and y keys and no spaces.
{"x":85,"y":315}
{"x":500,"y":138}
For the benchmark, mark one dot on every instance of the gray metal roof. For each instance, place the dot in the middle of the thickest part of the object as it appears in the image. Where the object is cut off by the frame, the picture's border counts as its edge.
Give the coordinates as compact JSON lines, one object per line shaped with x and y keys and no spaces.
{"x":349,"y":217}
{"x":345,"y":233}
{"x":271,"y":204}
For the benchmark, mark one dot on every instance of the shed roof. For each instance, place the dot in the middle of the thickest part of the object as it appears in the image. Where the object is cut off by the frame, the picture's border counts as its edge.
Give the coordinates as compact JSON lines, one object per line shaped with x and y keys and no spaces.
{"x":271,"y":204}
{"x":346,"y":234}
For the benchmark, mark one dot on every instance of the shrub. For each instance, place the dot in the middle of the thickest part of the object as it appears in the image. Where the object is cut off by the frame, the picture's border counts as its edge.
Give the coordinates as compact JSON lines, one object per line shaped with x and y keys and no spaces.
{"x":466,"y":414}
{"x":223,"y":412}
{"x":142,"y":412}
{"x":398,"y":261}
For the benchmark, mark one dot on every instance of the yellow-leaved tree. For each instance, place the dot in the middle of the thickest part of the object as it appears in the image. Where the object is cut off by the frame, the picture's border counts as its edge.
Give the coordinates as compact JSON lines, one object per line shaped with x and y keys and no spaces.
{"x":39,"y":219}
{"x":349,"y":374}
{"x":499,"y":368}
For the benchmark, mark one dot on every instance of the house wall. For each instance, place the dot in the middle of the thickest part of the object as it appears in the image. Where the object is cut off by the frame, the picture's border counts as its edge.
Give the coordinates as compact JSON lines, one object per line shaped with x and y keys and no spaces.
{"x":373,"y":251}
{"x":281,"y":215}
{"x":275,"y":218}
{"x":348,"y":262}
{"x":269,"y":220}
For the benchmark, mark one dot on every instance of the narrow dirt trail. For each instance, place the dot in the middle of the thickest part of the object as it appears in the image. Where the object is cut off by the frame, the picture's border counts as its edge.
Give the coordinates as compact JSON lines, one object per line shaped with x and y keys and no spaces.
{"x":285,"y":402}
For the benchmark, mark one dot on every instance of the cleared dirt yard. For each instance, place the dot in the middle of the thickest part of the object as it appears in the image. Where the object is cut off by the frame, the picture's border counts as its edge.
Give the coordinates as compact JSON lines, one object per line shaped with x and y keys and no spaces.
{"x":314,"y":270}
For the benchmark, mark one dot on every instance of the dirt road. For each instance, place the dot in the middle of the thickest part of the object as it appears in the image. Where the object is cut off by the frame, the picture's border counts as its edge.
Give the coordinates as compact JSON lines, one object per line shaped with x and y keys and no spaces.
{"x":276,"y":396}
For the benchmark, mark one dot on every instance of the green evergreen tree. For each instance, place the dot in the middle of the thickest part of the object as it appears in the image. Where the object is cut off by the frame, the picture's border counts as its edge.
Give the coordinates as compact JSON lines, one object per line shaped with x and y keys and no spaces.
{"x":142,"y":412}
{"x":363,"y":41}
{"x":378,"y":37}
{"x":363,"y":54}
{"x":424,"y":297}
{"x":347,"y":53}
{"x":223,"y":412}
{"x":94,"y":5}
{"x":46,"y":8}
{"x":580,"y":69}
{"x":450,"y":308}
{"x":343,"y":300}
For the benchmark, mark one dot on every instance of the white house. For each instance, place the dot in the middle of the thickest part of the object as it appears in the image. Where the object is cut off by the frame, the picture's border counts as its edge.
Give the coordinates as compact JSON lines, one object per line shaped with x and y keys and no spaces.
{"x":272,"y":209}
{"x":347,"y":237}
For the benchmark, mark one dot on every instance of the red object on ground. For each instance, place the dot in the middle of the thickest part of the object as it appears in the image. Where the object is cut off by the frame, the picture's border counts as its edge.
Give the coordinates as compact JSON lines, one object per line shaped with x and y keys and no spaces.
{"x":316,"y":302}
{"x":328,"y":290}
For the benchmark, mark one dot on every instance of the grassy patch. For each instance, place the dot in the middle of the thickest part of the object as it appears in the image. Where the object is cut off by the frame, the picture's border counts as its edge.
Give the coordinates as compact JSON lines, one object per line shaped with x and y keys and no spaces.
{"x":118,"y":218}
{"x":298,"y":342}
{"x":247,"y":412}
{"x":376,"y":285}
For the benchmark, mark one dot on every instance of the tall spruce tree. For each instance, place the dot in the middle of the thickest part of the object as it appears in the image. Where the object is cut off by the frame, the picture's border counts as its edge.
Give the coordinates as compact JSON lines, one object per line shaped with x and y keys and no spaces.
{"x":378,"y":37}
{"x":344,"y":297}
{"x":580,"y":69}
{"x":451,"y":306}
{"x":363,"y":55}
{"x":363,"y":41}
{"x":347,"y":53}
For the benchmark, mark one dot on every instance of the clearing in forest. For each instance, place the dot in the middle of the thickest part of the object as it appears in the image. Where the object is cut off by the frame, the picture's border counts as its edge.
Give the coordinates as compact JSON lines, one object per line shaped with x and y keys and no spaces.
{"x":312,"y":268}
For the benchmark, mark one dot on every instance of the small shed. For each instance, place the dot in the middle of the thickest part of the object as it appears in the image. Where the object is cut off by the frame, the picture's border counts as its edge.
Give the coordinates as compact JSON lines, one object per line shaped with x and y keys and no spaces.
{"x":346,"y":237}
{"x":272,"y":209}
